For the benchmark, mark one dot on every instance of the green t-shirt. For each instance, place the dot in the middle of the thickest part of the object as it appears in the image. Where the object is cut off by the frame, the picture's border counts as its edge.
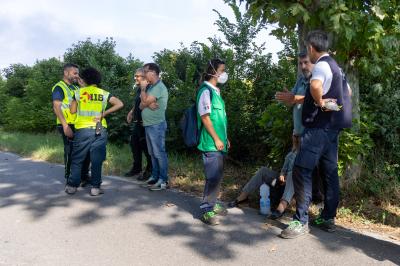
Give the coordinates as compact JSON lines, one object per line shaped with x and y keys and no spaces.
{"x":154,"y":117}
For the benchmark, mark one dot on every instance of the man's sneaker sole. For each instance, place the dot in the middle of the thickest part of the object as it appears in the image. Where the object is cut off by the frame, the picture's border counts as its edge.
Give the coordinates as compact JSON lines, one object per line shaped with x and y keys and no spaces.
{"x":291,"y":234}
{"x":96,"y":192}
{"x":70,"y":190}
{"x":158,"y":188}
{"x":288,"y":236}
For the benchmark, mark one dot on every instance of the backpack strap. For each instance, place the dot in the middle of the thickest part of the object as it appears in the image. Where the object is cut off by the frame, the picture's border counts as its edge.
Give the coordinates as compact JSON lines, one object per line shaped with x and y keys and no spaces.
{"x":211,"y":95}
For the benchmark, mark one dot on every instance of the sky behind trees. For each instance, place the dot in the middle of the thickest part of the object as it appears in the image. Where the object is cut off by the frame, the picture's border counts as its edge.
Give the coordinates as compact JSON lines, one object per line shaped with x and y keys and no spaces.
{"x":31,"y":30}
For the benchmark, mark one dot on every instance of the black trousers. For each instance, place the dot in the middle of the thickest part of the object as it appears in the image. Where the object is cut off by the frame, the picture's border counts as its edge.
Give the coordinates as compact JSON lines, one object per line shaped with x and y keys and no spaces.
{"x":138,"y":146}
{"x":68,"y":143}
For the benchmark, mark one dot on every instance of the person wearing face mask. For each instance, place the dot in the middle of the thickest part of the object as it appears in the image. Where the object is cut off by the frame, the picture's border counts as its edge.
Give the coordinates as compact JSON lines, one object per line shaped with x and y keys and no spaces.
{"x":213,"y":143}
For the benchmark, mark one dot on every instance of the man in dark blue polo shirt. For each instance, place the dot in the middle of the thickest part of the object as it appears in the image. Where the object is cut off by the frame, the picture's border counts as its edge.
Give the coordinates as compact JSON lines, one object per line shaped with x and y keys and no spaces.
{"x":319,"y":144}
{"x":62,"y":95}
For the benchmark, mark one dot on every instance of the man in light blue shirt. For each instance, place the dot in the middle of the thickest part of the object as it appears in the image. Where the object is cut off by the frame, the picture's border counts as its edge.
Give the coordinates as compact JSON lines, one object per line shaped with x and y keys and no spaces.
{"x":296,"y":96}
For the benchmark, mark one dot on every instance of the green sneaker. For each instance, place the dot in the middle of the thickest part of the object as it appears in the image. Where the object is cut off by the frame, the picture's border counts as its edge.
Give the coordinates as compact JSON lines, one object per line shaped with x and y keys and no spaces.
{"x":209,"y":218}
{"x":326,"y":225}
{"x":220,"y":209}
{"x":295,"y":229}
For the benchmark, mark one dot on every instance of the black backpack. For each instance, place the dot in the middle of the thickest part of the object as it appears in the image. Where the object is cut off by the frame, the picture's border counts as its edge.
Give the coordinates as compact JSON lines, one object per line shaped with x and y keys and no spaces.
{"x":188,"y":124}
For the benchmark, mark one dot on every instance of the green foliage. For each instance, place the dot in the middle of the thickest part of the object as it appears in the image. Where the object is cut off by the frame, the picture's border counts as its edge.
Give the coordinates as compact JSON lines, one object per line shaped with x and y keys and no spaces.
{"x":354,"y":145}
{"x":29,"y":111}
{"x":364,"y":33}
{"x":277,"y":122}
{"x":365,"y":36}
{"x":17,"y":76}
{"x":3,"y":99}
{"x":117,"y":77}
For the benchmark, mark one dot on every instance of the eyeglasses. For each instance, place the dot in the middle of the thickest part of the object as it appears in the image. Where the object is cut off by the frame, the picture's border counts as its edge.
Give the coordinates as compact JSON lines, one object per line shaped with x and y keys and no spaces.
{"x":138,"y":76}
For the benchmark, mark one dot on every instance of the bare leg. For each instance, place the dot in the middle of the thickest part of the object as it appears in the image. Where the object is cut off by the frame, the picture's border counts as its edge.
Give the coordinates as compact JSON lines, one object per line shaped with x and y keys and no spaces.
{"x":282,"y":206}
{"x":242,"y":196}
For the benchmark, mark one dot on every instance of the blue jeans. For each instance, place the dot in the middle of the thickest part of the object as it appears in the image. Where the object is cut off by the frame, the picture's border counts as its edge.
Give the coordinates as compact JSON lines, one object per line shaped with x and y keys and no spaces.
{"x":68,"y":154}
{"x":318,"y":147}
{"x":86,"y":142}
{"x":214,"y":171}
{"x":155,"y":137}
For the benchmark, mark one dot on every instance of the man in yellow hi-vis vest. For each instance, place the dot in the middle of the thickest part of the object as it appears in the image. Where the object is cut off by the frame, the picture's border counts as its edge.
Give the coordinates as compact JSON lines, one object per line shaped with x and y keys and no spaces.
{"x":90,"y":138}
{"x":62,"y":94}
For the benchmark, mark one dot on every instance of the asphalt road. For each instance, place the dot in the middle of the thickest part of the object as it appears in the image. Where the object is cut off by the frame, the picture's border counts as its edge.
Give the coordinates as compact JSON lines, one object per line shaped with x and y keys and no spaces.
{"x":129,"y":225}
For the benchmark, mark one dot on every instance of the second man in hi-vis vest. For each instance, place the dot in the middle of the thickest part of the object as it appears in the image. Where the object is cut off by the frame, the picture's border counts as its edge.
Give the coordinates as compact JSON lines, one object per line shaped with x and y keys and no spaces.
{"x":90,"y":103}
{"x":62,"y":95}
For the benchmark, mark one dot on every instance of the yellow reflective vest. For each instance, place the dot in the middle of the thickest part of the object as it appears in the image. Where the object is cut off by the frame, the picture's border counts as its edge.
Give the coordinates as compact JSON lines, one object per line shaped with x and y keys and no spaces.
{"x":66,"y":102}
{"x":92,"y":102}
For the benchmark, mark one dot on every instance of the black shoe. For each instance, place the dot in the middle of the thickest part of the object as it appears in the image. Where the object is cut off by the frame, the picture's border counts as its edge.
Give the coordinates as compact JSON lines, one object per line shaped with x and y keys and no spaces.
{"x":149,"y":182}
{"x":146,"y":174}
{"x":131,"y":173}
{"x":326,"y":225}
{"x":85,"y":181}
{"x":141,"y":178}
{"x":275,"y":215}
{"x":236,"y":202}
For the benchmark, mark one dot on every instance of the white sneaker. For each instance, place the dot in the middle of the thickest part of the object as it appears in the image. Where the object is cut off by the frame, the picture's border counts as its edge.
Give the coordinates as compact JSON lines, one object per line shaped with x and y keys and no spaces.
{"x":96,"y":191}
{"x":70,"y":190}
{"x":160,"y":185}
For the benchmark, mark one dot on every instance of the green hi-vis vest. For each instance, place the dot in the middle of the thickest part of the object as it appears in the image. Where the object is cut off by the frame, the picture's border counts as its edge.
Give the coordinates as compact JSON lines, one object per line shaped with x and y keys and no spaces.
{"x":218,"y":119}
{"x":92,"y":102}
{"x":68,"y":94}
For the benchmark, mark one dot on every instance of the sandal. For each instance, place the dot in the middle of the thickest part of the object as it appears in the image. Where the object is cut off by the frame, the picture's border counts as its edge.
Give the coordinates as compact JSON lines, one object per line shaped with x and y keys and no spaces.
{"x":236,"y":202}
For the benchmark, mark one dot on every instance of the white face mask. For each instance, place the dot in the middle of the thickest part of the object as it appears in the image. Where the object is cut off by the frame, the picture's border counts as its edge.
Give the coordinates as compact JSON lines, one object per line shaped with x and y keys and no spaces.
{"x":222,"y":78}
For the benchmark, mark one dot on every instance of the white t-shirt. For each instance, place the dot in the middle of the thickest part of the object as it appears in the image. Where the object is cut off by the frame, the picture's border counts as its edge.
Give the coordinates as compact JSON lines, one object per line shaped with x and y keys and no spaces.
{"x":204,"y":105}
{"x":322,"y":71}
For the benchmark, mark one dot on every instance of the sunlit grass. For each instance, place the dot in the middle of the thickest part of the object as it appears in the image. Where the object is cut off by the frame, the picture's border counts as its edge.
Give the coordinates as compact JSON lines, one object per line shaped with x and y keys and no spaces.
{"x":185,"y":170}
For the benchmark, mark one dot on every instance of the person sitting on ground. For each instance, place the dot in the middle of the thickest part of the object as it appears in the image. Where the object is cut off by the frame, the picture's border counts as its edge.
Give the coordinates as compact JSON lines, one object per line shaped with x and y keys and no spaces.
{"x":268,"y":176}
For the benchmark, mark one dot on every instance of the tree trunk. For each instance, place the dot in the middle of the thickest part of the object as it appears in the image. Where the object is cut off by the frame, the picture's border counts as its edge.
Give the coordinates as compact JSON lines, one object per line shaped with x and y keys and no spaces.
{"x":353,"y":171}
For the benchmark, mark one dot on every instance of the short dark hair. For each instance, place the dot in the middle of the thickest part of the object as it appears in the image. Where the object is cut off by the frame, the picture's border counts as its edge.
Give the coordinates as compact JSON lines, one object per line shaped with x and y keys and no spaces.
{"x":153,"y":67}
{"x":318,"y":39}
{"x":91,"y":76}
{"x":69,"y":65}
{"x":211,"y":68}
{"x":303,"y":54}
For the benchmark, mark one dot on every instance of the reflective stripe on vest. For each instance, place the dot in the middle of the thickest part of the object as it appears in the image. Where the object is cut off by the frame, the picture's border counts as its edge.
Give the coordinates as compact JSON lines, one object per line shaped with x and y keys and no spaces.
{"x":90,"y":106}
{"x":66,"y":102}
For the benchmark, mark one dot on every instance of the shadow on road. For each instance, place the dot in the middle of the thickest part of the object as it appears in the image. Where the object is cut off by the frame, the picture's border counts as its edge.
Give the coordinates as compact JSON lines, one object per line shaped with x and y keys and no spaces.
{"x":37,"y":188}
